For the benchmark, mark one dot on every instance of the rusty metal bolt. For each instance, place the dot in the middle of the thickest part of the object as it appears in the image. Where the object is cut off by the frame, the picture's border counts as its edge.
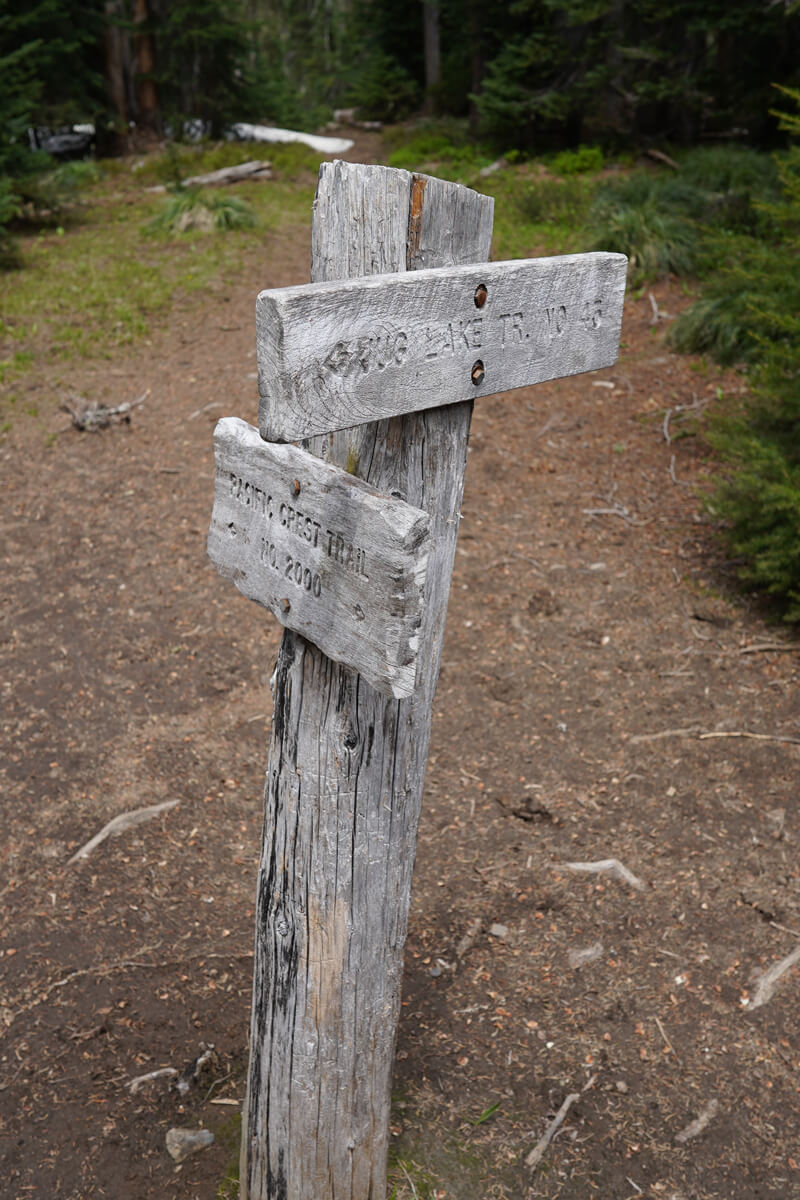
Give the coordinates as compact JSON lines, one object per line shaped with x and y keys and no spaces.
{"x":285,"y":605}
{"x":297,"y":487}
{"x":480,"y":295}
{"x":478,"y":373}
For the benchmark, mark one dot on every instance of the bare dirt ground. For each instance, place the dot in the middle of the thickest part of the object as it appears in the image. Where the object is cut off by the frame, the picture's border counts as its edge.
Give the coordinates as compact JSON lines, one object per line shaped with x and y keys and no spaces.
{"x":593,"y":647}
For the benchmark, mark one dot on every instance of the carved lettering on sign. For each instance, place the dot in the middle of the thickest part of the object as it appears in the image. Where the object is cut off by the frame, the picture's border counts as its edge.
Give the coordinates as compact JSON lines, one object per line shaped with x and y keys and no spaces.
{"x":373,"y":351}
{"x":300,"y":525}
{"x":327,"y":555}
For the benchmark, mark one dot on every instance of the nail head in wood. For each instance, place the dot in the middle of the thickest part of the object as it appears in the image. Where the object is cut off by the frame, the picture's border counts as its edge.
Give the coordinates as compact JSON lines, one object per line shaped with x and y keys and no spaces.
{"x":480,"y":295}
{"x":478,"y":373}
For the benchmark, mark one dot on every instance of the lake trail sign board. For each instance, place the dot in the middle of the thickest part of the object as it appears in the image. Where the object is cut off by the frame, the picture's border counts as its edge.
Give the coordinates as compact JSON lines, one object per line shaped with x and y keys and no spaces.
{"x":333,"y":355}
{"x":330,"y":557}
{"x":347,"y":761}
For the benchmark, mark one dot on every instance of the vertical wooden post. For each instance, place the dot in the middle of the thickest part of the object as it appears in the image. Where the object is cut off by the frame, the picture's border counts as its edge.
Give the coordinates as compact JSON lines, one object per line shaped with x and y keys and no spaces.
{"x":346,"y":768}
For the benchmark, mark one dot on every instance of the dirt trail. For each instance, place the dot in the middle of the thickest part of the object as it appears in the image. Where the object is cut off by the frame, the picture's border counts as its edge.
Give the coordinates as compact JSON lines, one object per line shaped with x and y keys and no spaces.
{"x":591,"y":648}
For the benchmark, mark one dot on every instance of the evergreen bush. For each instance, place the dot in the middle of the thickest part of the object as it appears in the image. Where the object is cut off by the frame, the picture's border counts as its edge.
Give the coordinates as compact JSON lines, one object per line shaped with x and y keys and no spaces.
{"x":758,"y":496}
{"x":577,"y":162}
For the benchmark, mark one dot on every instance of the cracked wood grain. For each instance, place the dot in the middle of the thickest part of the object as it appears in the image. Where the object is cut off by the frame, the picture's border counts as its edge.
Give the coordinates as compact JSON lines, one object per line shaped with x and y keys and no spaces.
{"x":346,"y":768}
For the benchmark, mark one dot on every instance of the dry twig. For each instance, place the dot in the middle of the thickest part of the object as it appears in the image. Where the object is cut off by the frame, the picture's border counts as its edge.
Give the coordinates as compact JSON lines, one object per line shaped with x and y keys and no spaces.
{"x":764,"y":647}
{"x":467,"y":941}
{"x":695,"y":1128}
{"x":704,"y":734}
{"x":606,"y":866}
{"x":103,"y":971}
{"x":538,"y":1152}
{"x":119,"y":824}
{"x":660,"y":156}
{"x":615,"y":510}
{"x":769,"y":979}
{"x":140,"y":1080}
{"x":663,"y":1033}
{"x":758,"y":737}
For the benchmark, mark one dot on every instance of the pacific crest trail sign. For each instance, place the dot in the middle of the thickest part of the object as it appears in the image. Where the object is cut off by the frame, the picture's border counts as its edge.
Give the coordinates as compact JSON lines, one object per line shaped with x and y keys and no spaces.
{"x":349,"y":540}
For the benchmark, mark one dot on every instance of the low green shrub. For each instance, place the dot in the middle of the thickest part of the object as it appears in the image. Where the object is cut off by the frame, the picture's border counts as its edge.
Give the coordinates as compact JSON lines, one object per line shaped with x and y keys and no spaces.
{"x":578,"y":162}
{"x":437,"y":145}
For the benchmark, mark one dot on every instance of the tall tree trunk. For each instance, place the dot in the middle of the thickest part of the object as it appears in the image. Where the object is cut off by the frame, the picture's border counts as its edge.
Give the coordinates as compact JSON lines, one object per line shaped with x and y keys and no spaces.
{"x":115,"y":60}
{"x":145,"y":51}
{"x":433,"y":53}
{"x":475,"y":62}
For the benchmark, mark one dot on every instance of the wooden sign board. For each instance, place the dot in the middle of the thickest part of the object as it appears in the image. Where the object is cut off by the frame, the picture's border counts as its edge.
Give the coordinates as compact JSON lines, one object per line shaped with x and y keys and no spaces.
{"x":333,"y":355}
{"x":333,"y":560}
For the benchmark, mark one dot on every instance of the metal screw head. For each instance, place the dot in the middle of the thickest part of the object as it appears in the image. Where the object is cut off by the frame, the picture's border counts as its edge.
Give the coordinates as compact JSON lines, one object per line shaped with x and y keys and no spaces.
{"x":480,"y":295}
{"x":296,"y":487}
{"x":285,"y":605}
{"x":478,"y":373}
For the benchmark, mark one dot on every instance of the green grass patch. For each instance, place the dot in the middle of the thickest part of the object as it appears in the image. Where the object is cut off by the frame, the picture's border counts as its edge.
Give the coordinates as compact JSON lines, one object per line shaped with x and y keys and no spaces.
{"x":537,"y":214}
{"x":92,"y":286}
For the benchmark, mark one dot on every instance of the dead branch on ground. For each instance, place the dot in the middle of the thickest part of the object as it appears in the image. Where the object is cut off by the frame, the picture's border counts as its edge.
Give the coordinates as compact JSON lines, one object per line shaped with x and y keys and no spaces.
{"x":695,"y":1128}
{"x":91,"y":416}
{"x":119,"y":824}
{"x":769,"y":979}
{"x":606,"y":866}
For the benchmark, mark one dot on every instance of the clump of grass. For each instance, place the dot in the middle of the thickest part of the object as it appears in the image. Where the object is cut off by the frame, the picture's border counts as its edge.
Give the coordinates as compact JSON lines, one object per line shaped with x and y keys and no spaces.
{"x":726,"y":169}
{"x":630,"y":217}
{"x":668,"y":224}
{"x":193,"y":209}
{"x":720,"y":325}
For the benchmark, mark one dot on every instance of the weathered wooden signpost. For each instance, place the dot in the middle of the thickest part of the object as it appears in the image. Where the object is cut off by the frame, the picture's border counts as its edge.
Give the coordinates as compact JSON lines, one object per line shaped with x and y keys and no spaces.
{"x":350,"y":541}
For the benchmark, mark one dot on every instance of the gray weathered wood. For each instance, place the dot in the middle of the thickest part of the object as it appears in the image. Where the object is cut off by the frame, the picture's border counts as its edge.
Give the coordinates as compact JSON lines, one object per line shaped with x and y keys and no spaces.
{"x":346,"y":769}
{"x":331,"y":355}
{"x":332,"y":558}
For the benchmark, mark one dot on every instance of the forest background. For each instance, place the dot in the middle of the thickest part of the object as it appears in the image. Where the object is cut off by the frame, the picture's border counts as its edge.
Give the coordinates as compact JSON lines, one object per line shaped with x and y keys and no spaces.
{"x":584,"y":87}
{"x":527,"y":74}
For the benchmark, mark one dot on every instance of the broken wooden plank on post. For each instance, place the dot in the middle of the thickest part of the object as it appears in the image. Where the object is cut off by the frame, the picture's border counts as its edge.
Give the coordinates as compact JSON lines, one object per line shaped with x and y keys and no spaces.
{"x":332,"y":558}
{"x":332,"y":355}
